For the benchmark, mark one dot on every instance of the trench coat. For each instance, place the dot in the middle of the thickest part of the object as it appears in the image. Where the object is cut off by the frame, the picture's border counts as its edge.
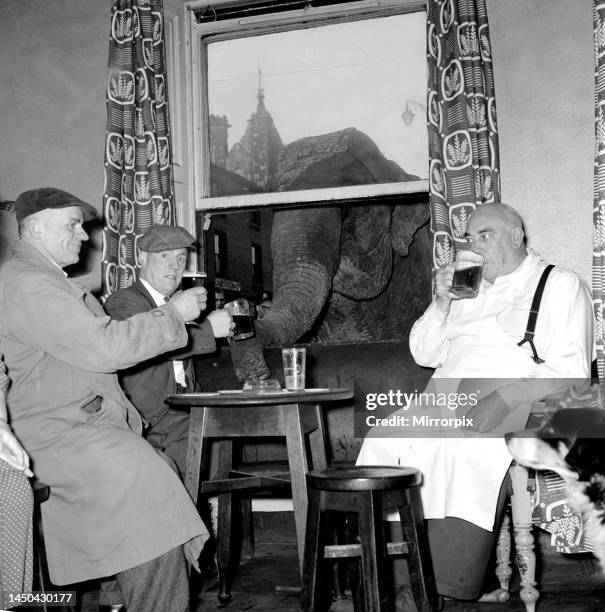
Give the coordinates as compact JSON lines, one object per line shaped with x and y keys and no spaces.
{"x":114,"y":502}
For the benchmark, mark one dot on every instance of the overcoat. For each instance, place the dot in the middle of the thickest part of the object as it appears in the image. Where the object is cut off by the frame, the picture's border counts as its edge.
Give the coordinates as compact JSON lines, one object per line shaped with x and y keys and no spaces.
{"x":114,"y":502}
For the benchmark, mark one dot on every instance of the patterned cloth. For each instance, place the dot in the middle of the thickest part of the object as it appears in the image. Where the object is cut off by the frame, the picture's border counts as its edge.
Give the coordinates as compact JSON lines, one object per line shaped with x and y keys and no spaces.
{"x":16,"y":508}
{"x":598,"y":210}
{"x":138,"y":166}
{"x":461,"y":108}
{"x":3,"y":378}
{"x":551,"y":511}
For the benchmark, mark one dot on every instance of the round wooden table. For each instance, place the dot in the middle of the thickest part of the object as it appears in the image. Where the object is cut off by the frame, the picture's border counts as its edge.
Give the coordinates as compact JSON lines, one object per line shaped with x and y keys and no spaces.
{"x":233,"y":415}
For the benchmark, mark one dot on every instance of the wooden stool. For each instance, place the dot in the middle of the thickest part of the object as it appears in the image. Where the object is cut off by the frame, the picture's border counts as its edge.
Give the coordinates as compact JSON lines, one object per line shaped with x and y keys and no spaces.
{"x":367,"y":491}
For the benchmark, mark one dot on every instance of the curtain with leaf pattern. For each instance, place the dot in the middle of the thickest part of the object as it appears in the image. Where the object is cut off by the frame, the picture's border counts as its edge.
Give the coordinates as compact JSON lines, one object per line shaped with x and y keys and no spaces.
{"x":138,"y":169}
{"x":461,"y":114}
{"x":598,"y":214}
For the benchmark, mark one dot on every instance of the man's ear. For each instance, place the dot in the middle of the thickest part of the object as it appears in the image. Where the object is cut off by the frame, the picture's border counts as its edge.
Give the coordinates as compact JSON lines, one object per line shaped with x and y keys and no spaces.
{"x":517,"y":236}
{"x":34,"y":227}
{"x":141,"y":257}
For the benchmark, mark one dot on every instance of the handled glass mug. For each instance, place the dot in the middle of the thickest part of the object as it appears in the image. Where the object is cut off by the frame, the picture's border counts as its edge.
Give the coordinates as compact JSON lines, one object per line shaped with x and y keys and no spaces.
{"x":468,"y":269}
{"x":241,"y":313}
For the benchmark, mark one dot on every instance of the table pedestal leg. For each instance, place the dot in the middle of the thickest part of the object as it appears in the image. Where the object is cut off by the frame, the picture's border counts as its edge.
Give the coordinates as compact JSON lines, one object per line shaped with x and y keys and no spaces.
{"x":297,"y":459}
{"x":225,"y":521}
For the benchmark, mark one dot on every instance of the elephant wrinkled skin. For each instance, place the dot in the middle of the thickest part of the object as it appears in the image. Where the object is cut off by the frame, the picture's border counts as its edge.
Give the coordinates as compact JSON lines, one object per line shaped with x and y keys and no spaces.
{"x":342,"y":274}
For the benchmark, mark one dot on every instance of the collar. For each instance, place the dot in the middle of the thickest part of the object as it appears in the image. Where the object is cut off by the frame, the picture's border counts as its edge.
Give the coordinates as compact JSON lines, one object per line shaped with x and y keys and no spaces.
{"x":25,"y":252}
{"x":158,"y":298}
{"x":523,"y":279}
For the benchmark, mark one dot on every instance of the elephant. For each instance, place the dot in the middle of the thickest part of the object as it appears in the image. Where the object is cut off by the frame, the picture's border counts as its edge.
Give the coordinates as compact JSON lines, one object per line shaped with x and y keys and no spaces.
{"x":342,"y":273}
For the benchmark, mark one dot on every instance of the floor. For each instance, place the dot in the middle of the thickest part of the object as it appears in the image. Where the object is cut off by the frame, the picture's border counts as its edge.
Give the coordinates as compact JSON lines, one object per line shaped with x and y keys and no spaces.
{"x":567,"y":584}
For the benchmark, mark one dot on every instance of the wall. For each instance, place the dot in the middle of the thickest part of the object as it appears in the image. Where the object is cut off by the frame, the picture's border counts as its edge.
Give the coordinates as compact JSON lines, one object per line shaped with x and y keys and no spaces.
{"x":54,"y":57}
{"x":543,"y":54}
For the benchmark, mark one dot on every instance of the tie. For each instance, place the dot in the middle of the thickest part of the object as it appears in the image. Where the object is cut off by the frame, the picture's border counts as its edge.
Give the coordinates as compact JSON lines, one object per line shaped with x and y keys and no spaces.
{"x":189,"y":374}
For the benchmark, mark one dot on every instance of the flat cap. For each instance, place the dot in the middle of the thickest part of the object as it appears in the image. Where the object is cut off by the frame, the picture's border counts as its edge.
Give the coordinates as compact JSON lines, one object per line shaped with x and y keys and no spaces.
{"x":35,"y":200}
{"x":165,"y":238}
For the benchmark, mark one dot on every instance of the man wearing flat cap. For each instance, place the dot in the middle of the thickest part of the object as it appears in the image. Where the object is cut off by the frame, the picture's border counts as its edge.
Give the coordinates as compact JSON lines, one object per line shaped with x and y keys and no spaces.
{"x":115,"y":506}
{"x":162,"y":260}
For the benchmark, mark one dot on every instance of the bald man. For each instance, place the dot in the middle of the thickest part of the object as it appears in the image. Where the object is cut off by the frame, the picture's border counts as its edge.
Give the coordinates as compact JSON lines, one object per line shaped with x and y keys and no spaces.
{"x":481,"y":358}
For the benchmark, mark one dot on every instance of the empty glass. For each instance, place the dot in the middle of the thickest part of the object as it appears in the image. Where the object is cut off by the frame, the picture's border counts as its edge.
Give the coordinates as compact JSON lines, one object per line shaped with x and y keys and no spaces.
{"x":294,"y":361}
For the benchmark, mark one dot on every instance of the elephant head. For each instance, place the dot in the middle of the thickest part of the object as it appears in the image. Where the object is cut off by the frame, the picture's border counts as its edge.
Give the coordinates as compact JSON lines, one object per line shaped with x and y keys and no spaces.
{"x":321,"y":252}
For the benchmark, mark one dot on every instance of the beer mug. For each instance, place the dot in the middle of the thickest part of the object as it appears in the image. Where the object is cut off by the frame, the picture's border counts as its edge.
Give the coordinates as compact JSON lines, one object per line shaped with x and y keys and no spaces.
{"x":193,"y":279}
{"x":241,"y":313}
{"x":468,"y":268}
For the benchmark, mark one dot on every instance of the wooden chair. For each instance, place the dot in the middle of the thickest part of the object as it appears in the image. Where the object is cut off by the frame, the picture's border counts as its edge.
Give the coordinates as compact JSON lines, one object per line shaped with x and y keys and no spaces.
{"x":522,"y":490}
{"x":522,"y":501}
{"x":41,"y":492}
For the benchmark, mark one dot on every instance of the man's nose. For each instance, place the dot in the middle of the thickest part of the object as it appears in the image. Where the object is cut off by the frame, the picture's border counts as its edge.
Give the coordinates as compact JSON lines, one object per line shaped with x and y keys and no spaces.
{"x":82,"y":235}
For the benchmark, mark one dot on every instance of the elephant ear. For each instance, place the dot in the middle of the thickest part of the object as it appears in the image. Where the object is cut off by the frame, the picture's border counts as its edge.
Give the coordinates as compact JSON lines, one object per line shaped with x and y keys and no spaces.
{"x":406,"y":220}
{"x":366,"y":258}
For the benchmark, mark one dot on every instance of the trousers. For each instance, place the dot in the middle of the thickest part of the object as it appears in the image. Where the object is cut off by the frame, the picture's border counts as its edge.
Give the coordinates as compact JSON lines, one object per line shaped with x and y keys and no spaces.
{"x":460,"y":552}
{"x":171,"y":436}
{"x":159,"y":585}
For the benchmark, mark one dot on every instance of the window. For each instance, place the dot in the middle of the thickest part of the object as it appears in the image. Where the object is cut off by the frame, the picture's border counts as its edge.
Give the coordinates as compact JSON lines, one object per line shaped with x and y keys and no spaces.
{"x":220,"y":254}
{"x":298,"y":102}
{"x":257,"y":264}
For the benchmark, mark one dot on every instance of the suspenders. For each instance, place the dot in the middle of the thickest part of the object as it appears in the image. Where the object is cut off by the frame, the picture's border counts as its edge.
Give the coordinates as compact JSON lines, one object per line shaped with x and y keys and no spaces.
{"x":533,"y":315}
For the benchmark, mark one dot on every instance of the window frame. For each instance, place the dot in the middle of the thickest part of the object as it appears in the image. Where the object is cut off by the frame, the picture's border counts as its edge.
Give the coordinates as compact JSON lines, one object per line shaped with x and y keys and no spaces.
{"x":256,"y":260}
{"x":219,"y":238}
{"x":199,"y":35}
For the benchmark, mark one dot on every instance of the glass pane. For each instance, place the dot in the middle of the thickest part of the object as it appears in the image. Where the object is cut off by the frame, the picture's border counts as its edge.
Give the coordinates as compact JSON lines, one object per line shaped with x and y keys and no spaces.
{"x":319,"y":107}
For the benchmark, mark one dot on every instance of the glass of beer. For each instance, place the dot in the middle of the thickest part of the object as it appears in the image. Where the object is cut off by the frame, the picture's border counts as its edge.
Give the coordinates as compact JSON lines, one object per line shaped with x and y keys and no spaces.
{"x":241,"y":313}
{"x":193,"y":279}
{"x":190,"y":280}
{"x":467,"y":274}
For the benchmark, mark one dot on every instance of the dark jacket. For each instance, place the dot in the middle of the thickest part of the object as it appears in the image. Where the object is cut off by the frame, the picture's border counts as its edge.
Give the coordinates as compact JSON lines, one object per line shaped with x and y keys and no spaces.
{"x":149,"y":382}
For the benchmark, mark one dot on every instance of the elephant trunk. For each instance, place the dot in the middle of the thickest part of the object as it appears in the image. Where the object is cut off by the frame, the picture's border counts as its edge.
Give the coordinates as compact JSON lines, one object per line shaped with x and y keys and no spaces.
{"x":305,"y":246}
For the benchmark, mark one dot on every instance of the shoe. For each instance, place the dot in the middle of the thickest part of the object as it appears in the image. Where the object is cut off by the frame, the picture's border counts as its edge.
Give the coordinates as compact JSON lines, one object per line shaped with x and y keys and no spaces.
{"x":342,"y":605}
{"x":404,"y":600}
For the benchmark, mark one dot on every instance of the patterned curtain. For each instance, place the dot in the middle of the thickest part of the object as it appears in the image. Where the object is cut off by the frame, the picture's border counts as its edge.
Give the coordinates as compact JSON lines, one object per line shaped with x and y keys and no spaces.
{"x":461,"y":113}
{"x":598,"y":212}
{"x":138,"y":169}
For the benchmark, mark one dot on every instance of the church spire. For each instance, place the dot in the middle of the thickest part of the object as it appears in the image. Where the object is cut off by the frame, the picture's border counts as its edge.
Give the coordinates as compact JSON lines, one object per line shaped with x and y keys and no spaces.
{"x":260,"y":94}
